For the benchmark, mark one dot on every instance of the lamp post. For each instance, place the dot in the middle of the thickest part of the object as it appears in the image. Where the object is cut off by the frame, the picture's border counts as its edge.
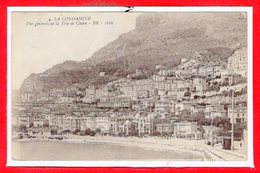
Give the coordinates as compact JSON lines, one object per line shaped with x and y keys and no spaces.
{"x":232,"y":121}
{"x":212,"y":129}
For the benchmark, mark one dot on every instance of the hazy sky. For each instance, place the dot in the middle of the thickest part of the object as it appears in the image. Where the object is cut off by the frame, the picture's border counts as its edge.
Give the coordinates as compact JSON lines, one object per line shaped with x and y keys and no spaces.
{"x":37,"y":48}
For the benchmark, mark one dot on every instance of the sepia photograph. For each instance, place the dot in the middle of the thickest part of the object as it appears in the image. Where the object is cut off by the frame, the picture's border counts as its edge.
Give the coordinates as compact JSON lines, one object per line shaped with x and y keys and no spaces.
{"x":134,"y":86}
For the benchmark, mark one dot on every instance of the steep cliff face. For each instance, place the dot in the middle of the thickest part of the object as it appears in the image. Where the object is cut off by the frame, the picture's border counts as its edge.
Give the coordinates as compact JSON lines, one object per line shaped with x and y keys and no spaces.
{"x":159,"y":38}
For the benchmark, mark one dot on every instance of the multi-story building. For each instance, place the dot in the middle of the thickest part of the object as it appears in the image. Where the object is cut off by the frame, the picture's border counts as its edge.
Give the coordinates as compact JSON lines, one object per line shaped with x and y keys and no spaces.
{"x":158,"y":77}
{"x":181,"y":106}
{"x":56,"y":120}
{"x":70,"y":91}
{"x":89,"y":99}
{"x":162,"y":106}
{"x":163,"y":72}
{"x":126,"y":127}
{"x":75,"y":123}
{"x":153,"y":92}
{"x":199,"y":83}
{"x":103,"y":123}
{"x":197,"y":108}
{"x":127,"y":91}
{"x":24,"y":119}
{"x":239,"y":113}
{"x":185,"y":129}
{"x":105,"y":104}
{"x":202,"y":70}
{"x":163,"y":124}
{"x":40,"y":122}
{"x":29,"y":97}
{"x":66,"y":123}
{"x":56,"y":93}
{"x":88,"y":121}
{"x":215,"y":110}
{"x":164,"y":127}
{"x":146,"y":124}
{"x":122,"y":104}
{"x":233,"y":79}
{"x":143,"y":94}
{"x":63,"y":100}
{"x":101,"y":92}
{"x":213,"y":71}
{"x":71,"y":123}
{"x":237,"y":63}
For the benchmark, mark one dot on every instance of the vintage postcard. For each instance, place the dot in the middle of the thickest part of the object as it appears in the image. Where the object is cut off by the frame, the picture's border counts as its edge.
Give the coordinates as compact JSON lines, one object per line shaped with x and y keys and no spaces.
{"x":139,"y":87}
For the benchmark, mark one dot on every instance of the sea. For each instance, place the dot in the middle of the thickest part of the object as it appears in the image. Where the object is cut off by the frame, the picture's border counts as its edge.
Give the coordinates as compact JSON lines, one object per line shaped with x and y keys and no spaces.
{"x":61,"y":151}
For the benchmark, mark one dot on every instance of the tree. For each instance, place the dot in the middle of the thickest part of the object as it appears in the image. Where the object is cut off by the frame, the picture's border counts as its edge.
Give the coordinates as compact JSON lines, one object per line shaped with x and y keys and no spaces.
{"x":200,"y":117}
{"x":225,"y":82}
{"x":164,"y":134}
{"x":202,"y":130}
{"x":185,"y":115}
{"x":82,"y":133}
{"x":121,"y":134}
{"x":203,"y":97}
{"x":54,"y":131}
{"x":98,"y":130}
{"x":76,"y":131}
{"x":92,"y":133}
{"x":133,"y":131}
{"x":87,"y":131}
{"x":238,"y":131}
{"x":196,"y":97}
{"x":187,"y":94}
{"x":217,"y":121}
{"x":156,"y":133}
{"x":225,"y":93}
{"x":22,"y":128}
{"x":31,"y":124}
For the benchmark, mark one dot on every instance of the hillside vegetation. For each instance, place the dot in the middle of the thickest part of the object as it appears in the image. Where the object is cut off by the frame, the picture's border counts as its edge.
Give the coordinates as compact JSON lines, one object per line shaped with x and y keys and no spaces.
{"x":158,"y":39}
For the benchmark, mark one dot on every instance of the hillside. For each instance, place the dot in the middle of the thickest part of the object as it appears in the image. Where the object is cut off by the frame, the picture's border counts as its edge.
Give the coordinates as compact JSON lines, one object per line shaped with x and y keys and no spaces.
{"x":158,"y":39}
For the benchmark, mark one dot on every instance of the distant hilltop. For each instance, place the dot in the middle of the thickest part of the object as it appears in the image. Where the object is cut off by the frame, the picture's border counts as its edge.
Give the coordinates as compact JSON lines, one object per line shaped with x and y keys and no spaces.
{"x":159,"y":38}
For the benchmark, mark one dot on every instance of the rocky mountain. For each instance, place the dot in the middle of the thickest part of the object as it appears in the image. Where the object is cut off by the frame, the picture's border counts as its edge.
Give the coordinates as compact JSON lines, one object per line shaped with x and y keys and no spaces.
{"x":159,"y":38}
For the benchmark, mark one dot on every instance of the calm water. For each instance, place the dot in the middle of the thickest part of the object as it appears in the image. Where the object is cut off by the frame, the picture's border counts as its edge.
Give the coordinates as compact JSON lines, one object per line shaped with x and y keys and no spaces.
{"x":50,"y":151}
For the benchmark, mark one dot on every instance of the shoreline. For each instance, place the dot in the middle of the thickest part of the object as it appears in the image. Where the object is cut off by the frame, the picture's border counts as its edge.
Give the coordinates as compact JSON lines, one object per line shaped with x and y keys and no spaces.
{"x":195,"y":147}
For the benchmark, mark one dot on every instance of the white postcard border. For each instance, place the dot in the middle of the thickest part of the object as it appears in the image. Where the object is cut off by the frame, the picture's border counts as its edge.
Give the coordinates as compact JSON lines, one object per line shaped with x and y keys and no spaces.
{"x":248,"y":163}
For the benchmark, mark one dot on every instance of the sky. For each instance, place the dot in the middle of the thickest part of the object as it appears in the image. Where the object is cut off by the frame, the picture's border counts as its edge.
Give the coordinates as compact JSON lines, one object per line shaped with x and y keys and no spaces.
{"x":35,"y":49}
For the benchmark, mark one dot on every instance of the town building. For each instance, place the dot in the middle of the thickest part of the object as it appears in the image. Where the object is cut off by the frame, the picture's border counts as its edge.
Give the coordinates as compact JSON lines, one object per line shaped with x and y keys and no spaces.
{"x":127,"y":127}
{"x":237,"y":62}
{"x":29,"y":97}
{"x":215,"y":110}
{"x":234,"y":79}
{"x":213,"y":71}
{"x":199,"y":84}
{"x":163,"y":125}
{"x":146,"y":124}
{"x":197,"y":108}
{"x":185,"y":129}
{"x":56,"y":120}
{"x":162,"y":106}
{"x":88,"y":121}
{"x":40,"y":122}
{"x":64,"y":100}
{"x":89,"y":99}
{"x":101,"y":92}
{"x":75,"y":123}
{"x":182,"y":106}
{"x":143,"y":94}
{"x":103,"y":123}
{"x":239,"y":112}
{"x":25,"y":120}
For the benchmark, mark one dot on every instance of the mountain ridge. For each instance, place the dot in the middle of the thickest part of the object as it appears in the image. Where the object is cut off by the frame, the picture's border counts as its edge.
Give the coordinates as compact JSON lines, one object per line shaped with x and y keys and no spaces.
{"x":157,"y":39}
